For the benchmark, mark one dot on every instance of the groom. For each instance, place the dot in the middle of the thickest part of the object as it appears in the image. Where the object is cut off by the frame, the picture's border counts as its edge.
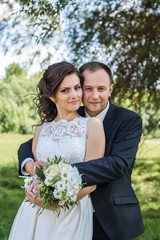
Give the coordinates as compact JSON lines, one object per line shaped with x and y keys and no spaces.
{"x":117,"y":214}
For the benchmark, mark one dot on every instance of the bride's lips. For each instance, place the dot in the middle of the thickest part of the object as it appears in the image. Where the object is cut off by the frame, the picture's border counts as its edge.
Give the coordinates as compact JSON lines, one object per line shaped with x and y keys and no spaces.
{"x":74,"y":102}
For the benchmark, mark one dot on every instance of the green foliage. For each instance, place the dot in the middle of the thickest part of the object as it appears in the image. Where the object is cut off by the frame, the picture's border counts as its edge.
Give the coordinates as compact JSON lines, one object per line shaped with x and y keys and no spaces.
{"x":42,"y":14}
{"x":12,"y":71}
{"x":17,"y":91}
{"x":148,"y":110}
{"x":40,"y":174}
{"x":124,"y":34}
{"x":11,"y":193}
{"x":11,"y":196}
{"x":57,"y":159}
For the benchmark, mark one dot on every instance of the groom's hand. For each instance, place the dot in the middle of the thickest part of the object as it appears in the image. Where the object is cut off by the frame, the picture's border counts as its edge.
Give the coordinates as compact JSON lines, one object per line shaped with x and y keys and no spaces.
{"x":30,"y":167}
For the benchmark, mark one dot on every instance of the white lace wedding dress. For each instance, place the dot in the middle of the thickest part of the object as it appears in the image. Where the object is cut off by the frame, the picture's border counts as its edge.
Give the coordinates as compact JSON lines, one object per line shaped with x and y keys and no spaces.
{"x":68,"y":140}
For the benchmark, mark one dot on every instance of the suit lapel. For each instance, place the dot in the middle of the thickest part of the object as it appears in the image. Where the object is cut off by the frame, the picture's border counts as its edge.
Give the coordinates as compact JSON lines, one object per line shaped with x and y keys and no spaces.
{"x":107,"y":122}
{"x":81,"y":111}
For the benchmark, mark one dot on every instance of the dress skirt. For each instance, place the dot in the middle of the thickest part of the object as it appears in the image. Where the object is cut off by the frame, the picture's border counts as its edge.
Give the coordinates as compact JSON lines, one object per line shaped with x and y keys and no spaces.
{"x":75,"y":223}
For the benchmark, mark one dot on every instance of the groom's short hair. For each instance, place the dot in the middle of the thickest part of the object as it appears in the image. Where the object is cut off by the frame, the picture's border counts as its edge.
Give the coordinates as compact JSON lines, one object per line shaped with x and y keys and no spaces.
{"x":94,"y":66}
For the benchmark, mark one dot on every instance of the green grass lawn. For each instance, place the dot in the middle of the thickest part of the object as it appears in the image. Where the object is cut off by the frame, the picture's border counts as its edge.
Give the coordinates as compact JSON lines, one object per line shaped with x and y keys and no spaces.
{"x":11,"y":193}
{"x":146,"y":182}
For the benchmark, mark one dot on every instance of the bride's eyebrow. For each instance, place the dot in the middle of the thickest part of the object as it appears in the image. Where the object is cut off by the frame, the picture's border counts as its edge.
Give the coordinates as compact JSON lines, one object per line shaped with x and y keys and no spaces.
{"x":64,"y":88}
{"x":69,"y":87}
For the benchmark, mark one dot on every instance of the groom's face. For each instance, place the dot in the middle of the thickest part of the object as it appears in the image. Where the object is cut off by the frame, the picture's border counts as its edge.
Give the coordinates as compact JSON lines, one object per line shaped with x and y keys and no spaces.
{"x":96,"y":91}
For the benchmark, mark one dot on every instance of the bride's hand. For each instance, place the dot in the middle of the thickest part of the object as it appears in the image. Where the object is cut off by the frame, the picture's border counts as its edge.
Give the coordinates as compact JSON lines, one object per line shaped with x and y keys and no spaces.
{"x":30,"y":167}
{"x":31,"y":193}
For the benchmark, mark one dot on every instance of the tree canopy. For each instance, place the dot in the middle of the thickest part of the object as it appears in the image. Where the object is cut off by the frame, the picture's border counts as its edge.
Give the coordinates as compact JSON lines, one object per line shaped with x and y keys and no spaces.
{"x":17,"y":91}
{"x":123,"y":34}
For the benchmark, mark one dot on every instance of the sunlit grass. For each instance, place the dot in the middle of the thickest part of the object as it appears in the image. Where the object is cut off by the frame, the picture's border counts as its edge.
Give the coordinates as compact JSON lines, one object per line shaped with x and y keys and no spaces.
{"x":146,"y":182}
{"x":9,"y":144}
{"x":11,"y":193}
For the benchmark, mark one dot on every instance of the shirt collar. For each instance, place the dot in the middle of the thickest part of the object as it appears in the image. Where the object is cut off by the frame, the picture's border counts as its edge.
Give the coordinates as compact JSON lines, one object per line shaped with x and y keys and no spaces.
{"x":102,"y":114}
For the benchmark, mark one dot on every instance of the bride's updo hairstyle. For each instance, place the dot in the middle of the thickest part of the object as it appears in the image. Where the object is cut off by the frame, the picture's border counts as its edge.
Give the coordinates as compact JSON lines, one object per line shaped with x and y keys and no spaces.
{"x":48,"y":85}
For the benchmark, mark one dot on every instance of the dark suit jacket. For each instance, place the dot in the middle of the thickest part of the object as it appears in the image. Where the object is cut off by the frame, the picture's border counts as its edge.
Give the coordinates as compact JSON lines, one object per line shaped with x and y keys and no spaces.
{"x":115,"y":203}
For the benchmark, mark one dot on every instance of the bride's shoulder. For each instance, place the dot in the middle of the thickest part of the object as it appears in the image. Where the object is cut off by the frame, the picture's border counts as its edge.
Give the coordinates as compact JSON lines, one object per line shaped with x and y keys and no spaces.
{"x":38,"y":129}
{"x":94,"y":123}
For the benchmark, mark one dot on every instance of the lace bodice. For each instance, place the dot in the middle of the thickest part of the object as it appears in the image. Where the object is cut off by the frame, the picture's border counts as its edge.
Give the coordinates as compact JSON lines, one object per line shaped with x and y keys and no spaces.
{"x":63,"y":138}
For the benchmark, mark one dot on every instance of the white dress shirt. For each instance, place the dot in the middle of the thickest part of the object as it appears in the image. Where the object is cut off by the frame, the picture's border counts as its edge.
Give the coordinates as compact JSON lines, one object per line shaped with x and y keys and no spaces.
{"x":102,"y":114}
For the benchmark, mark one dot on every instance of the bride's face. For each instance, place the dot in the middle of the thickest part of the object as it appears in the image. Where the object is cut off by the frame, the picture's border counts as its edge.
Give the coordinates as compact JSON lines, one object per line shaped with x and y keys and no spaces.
{"x":69,"y":94}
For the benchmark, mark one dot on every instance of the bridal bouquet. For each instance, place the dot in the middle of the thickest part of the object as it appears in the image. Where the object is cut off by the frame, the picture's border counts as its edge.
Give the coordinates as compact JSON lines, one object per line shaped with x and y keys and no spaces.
{"x":60,"y":184}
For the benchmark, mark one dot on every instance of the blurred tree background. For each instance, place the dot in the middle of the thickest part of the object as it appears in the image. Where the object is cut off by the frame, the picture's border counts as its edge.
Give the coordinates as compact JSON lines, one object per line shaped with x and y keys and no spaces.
{"x":125,"y":34}
{"x":17,"y":111}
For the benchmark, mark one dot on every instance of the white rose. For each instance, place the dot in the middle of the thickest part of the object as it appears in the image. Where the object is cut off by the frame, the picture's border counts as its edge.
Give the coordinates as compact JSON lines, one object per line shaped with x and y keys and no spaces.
{"x":52,"y":171}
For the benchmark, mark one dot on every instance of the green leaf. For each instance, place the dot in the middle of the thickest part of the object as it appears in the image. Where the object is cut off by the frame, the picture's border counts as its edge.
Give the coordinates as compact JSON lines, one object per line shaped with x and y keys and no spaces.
{"x":40,"y":174}
{"x":37,"y":194}
{"x":56,"y":179}
{"x":57,"y":160}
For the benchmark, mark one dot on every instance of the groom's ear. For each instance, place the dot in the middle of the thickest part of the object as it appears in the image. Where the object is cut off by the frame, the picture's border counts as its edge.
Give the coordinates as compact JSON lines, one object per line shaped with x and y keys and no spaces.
{"x":52,"y":99}
{"x":110,"y":90}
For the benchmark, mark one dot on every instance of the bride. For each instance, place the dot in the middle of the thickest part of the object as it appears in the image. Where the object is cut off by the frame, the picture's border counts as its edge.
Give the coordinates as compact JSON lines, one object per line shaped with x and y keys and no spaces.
{"x":62,"y":132}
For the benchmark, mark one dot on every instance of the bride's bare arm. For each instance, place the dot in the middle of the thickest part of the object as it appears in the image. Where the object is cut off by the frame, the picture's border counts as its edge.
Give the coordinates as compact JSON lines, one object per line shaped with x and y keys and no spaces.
{"x":95,"y":139}
{"x":35,"y":140}
{"x":95,"y":148}
{"x":30,"y":166}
